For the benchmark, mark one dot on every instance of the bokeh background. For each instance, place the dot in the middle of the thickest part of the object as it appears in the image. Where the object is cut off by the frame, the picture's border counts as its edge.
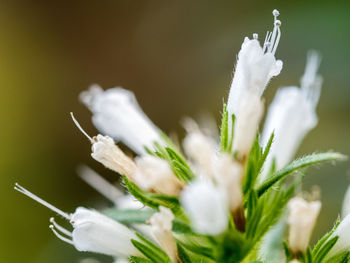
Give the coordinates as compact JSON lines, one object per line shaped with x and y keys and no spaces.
{"x":177,"y":56}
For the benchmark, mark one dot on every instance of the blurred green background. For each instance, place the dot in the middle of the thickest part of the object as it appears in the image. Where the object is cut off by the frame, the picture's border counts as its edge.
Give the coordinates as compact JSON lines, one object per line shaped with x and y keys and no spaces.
{"x":177,"y":56}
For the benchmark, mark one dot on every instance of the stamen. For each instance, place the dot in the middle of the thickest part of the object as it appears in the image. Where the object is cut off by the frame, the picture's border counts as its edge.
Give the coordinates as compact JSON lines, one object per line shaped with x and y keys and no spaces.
{"x":255,"y":36}
{"x":99,"y":183}
{"x":276,"y":34}
{"x":80,"y":128}
{"x":60,"y":228}
{"x":60,"y":236}
{"x":41,"y":201}
{"x":266,"y":42}
{"x":275,"y":13}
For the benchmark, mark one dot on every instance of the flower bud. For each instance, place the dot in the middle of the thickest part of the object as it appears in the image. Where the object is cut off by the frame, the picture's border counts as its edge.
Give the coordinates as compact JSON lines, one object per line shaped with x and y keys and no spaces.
{"x":201,"y":149}
{"x":106,"y":152}
{"x":206,"y":207}
{"x":228,"y":175}
{"x":161,"y":224}
{"x":155,"y":174}
{"x":301,"y":220}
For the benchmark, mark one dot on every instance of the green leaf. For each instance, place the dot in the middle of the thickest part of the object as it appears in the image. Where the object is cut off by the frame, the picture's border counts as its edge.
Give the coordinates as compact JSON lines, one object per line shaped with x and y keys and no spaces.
{"x":181,"y":169}
{"x":321,"y":242}
{"x":134,"y":259}
{"x":183,"y":254}
{"x":322,"y":253}
{"x":224,"y":129}
{"x":150,"y":250}
{"x":129,"y":216}
{"x":342,"y":257}
{"x":154,"y":200}
{"x":182,"y":227}
{"x":296,"y":165}
{"x":253,"y":166}
{"x":266,"y":151}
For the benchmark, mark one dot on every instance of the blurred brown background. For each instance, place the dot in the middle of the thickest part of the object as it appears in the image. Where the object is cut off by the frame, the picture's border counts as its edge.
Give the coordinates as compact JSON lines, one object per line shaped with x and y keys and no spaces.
{"x":177,"y":56}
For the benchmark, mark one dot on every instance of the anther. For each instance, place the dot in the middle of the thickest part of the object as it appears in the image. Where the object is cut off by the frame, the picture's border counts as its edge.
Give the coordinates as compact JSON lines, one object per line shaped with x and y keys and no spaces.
{"x":80,"y":128}
{"x":255,"y":36}
{"x":275,"y":13}
{"x":60,"y":236}
{"x":278,"y":23}
{"x":41,"y":201}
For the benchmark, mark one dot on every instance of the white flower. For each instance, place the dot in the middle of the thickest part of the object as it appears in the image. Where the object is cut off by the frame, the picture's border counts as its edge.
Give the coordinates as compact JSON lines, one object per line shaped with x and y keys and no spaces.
{"x":292,"y":115}
{"x":95,"y":232}
{"x":105,"y":151}
{"x":161,"y":224}
{"x":201,"y":149}
{"x":346,"y":203}
{"x":343,"y":242}
{"x":247,"y":122}
{"x":92,"y":231}
{"x":155,"y":174}
{"x":206,"y":207}
{"x":255,"y":67}
{"x":228,"y":175}
{"x":301,"y":220}
{"x":108,"y":190}
{"x":116,"y":113}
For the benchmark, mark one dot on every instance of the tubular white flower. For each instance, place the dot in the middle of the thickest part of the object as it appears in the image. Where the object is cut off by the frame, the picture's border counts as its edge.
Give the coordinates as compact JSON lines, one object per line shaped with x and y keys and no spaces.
{"x":155,"y":174}
{"x":301,"y":220}
{"x":97,"y":233}
{"x":255,"y":67}
{"x":228,"y":174}
{"x":206,"y":207}
{"x":292,"y":114}
{"x":92,"y":231}
{"x":247,"y":122}
{"x":201,"y":149}
{"x":346,"y":203}
{"x":108,"y":190}
{"x":161,"y":224}
{"x":105,"y":151}
{"x":116,"y":113}
{"x":343,"y":242}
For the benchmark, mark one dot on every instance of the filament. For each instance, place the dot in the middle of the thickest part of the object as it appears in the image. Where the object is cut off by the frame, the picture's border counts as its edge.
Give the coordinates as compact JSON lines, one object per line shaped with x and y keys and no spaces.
{"x":64,"y":239}
{"x":80,"y":128}
{"x":60,"y":228}
{"x":41,"y":201}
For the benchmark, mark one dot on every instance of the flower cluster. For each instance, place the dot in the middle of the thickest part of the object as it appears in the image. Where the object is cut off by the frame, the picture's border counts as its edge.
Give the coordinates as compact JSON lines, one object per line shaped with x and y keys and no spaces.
{"x":208,"y":200}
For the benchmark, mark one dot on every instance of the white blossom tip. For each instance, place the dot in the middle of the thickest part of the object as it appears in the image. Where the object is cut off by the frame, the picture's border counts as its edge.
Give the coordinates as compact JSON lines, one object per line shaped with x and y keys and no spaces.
{"x":255,"y":36}
{"x":79,"y":127}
